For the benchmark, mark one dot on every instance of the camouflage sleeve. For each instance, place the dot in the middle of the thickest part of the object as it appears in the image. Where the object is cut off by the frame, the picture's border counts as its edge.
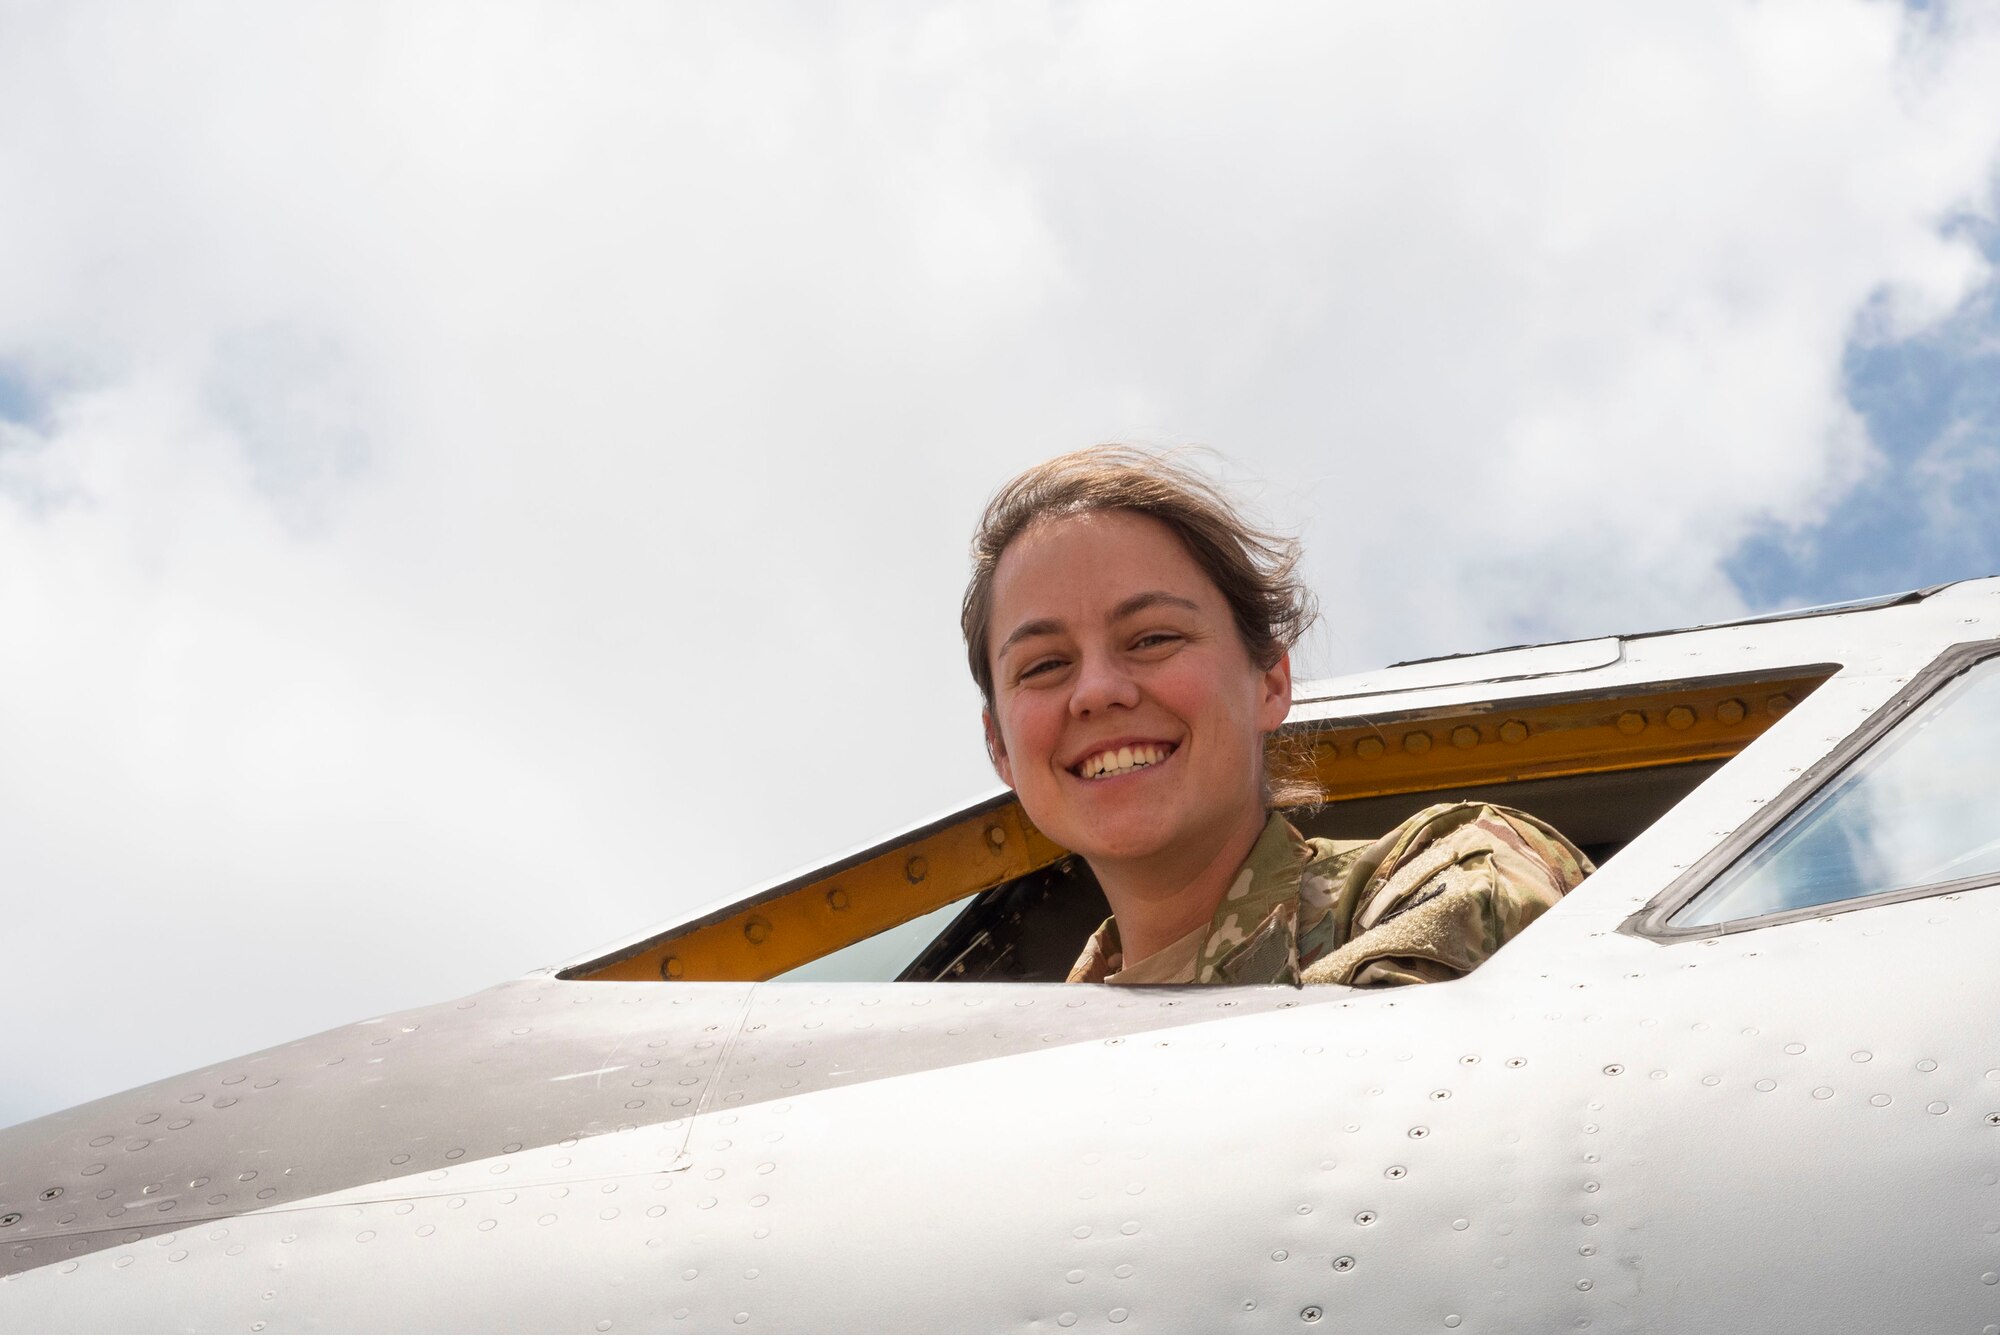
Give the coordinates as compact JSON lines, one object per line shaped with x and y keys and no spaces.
{"x":1439,"y":893}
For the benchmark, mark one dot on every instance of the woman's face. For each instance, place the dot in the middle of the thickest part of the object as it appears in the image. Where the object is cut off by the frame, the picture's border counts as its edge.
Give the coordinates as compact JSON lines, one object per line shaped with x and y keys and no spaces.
{"x":1127,"y":713}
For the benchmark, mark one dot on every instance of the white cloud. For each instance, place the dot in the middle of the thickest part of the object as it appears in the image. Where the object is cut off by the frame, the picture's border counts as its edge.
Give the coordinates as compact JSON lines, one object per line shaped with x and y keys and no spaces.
{"x":507,"y":469}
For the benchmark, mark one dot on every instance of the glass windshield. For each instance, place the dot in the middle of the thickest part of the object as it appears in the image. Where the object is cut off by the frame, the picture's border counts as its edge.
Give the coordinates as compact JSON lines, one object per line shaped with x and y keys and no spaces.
{"x":878,"y":958}
{"x":1921,"y":807}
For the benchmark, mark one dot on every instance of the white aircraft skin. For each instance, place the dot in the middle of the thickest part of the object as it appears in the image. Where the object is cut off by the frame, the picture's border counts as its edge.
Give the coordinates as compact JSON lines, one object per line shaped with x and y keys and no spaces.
{"x":1790,"y":1128}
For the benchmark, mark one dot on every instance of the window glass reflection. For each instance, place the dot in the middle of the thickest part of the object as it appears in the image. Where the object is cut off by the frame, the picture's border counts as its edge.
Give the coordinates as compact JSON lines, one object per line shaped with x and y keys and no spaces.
{"x":1921,"y":807}
{"x":877,"y":958}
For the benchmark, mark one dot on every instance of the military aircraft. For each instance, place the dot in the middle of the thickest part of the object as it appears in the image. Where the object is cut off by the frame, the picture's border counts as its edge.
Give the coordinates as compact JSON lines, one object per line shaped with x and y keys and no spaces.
{"x":1745,"y":1077}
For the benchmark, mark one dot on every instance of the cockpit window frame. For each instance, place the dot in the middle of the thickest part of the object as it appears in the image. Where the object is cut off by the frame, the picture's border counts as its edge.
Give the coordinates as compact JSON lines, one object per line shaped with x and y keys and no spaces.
{"x":1654,"y":921}
{"x":1460,"y":746}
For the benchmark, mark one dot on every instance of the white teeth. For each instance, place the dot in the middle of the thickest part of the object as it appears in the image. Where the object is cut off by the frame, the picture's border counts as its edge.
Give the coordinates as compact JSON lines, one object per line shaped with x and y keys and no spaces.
{"x":1124,"y":759}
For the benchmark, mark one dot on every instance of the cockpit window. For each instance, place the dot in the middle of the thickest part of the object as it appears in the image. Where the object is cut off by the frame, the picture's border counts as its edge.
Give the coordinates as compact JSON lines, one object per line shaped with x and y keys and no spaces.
{"x":982,"y":895}
{"x":1915,"y":813}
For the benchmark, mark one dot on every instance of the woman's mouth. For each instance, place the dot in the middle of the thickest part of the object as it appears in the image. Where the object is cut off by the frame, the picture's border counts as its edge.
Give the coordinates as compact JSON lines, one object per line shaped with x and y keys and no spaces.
{"x":1117,"y":760}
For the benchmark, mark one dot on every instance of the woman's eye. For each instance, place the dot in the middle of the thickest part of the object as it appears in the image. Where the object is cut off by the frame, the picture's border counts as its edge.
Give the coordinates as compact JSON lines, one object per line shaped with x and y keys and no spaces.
{"x":1155,"y":639}
{"x":1040,"y":668}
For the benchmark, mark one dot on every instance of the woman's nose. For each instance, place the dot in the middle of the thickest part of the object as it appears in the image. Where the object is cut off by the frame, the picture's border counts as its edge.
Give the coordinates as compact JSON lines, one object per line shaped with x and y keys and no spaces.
{"x":1101,"y":683}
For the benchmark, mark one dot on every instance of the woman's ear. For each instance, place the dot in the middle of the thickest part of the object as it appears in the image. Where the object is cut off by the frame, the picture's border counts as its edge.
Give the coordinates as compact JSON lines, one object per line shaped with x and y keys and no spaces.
{"x":1276,"y":702}
{"x":996,"y":749}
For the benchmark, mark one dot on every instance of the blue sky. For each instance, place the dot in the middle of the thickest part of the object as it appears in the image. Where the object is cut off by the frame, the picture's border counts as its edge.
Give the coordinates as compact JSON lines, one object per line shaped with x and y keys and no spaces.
{"x":1929,"y":511}
{"x":18,"y":402}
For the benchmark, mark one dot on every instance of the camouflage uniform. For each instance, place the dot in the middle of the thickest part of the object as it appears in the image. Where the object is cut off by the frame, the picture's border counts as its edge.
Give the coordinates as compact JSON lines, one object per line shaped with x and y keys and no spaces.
{"x":1427,"y":901}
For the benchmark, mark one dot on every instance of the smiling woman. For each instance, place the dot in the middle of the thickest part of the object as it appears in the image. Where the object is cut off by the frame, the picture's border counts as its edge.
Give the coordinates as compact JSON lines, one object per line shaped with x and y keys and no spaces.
{"x":1131,"y":636}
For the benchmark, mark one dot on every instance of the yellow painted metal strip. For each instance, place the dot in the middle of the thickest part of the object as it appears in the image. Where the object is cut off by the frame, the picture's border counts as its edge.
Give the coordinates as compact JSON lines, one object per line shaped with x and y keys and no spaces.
{"x":814,"y":920}
{"x":1502,"y":744}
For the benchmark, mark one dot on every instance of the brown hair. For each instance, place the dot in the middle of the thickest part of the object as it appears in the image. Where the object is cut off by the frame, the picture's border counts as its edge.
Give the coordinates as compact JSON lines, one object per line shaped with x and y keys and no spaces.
{"x":1255,"y":569}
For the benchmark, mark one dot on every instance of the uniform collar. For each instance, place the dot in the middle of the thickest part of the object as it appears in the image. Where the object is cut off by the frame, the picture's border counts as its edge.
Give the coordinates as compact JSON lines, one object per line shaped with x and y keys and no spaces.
{"x":1253,"y":937}
{"x":1256,"y":918}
